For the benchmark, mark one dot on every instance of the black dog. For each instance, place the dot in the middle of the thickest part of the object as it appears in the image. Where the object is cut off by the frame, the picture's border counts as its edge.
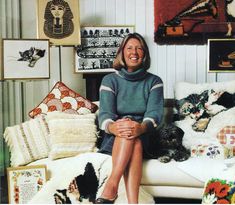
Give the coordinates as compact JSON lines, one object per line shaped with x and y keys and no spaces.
{"x":84,"y":186}
{"x":167,"y":144}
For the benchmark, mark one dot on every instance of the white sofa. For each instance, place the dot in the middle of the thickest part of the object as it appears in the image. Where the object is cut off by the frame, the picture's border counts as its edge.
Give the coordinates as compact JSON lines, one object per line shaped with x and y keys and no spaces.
{"x":159,"y":179}
{"x":184,"y":180}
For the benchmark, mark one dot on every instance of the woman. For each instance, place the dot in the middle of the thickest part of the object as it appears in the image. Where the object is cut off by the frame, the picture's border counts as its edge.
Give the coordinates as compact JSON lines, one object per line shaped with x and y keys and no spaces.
{"x":131,"y":107}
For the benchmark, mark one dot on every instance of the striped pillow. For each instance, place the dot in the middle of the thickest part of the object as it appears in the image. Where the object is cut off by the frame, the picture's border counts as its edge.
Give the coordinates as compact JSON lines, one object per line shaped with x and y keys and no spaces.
{"x":28,"y":141}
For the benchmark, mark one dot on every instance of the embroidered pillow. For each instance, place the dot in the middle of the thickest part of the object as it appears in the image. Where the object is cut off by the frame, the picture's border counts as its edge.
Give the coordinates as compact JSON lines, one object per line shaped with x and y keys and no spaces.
{"x":71,"y":134}
{"x":28,"y":141}
{"x":219,"y":191}
{"x":211,"y":151}
{"x":226,"y":137}
{"x":202,"y":110}
{"x":61,"y":98}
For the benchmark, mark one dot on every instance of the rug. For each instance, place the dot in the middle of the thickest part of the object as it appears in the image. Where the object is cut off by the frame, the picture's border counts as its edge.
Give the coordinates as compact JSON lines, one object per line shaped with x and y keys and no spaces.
{"x":82,"y":181}
{"x":189,"y":22}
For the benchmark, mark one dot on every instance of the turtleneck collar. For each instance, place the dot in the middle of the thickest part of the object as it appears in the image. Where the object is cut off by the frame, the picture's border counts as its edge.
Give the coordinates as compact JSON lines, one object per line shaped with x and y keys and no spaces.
{"x":132,"y":76}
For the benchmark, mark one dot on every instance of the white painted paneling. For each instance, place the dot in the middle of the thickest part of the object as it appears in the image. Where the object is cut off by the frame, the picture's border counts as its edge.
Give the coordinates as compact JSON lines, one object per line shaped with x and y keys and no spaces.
{"x":180,"y":65}
{"x":140,"y":17}
{"x":29,"y":18}
{"x":191,"y":64}
{"x":162,"y":65}
{"x":100,"y":13}
{"x":55,"y":71}
{"x":69,"y":77}
{"x":88,"y":12}
{"x":201,"y":64}
{"x":130,"y":11}
{"x":120,"y":12}
{"x":170,"y":76}
{"x":110,"y":12}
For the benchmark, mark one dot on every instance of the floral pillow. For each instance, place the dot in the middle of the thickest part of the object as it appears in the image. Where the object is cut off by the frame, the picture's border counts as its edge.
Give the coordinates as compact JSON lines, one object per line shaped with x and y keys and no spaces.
{"x":63,"y":99}
{"x":218,"y":191}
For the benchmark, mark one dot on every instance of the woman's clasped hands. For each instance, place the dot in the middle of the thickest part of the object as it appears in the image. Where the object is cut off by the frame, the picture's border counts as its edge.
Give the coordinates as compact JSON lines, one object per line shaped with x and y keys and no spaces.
{"x":126,"y":128}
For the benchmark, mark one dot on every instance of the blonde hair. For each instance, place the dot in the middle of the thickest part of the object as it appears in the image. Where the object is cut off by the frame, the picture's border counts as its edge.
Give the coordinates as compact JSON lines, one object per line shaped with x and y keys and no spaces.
{"x":119,"y":61}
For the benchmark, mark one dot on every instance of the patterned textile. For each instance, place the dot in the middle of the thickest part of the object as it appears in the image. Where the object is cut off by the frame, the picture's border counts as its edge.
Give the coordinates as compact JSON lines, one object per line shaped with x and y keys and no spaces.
{"x":218,"y":191}
{"x":226,"y":136}
{"x":62,"y":98}
{"x":211,"y":151}
{"x":28,"y":141}
{"x":198,"y":113}
{"x":71,"y":134}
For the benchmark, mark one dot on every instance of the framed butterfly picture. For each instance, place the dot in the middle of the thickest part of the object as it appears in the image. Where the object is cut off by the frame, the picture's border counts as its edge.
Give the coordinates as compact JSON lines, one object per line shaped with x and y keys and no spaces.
{"x":25,"y":59}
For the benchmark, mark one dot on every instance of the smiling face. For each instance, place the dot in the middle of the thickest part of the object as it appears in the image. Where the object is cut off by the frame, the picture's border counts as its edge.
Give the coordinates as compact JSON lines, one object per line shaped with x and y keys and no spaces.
{"x":133,"y":54}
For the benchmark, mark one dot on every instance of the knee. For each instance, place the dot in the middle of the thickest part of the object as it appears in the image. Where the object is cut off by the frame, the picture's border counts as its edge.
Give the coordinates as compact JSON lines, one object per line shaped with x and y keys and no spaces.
{"x":138,"y":145}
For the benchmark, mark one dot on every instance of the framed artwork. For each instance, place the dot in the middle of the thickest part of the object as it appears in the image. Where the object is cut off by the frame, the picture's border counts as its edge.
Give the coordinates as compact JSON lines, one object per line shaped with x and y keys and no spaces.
{"x":99,"y":45}
{"x":26,"y":59}
{"x":24,"y":182}
{"x":59,"y":21}
{"x":193,"y":22}
{"x":221,"y":55}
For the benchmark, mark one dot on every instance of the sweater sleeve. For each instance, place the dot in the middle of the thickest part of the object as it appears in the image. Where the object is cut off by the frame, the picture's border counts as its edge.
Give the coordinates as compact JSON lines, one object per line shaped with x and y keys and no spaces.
{"x":154,"y":112}
{"x":107,"y":110}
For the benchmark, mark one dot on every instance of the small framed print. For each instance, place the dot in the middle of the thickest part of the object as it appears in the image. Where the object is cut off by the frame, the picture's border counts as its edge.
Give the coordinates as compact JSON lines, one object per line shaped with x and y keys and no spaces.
{"x":26,"y":59}
{"x":221,"y":55}
{"x":59,"y":21}
{"x":24,"y":182}
{"x":99,"y":45}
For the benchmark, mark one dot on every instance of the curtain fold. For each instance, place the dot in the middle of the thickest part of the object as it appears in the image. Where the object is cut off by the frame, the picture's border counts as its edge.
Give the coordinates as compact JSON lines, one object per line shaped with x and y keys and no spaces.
{"x":10,"y":91}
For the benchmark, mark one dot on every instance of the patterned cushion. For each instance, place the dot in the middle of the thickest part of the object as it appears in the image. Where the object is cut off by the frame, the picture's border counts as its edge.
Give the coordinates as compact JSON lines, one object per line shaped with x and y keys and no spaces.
{"x":226,"y":137}
{"x":211,"y":151}
{"x":199,"y":115}
{"x":28,"y":141}
{"x":71,"y":134}
{"x":218,"y":191}
{"x":61,"y":98}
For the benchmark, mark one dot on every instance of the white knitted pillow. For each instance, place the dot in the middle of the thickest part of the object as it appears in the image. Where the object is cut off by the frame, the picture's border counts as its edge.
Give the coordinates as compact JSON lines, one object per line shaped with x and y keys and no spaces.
{"x":28,"y":141}
{"x":72,"y":135}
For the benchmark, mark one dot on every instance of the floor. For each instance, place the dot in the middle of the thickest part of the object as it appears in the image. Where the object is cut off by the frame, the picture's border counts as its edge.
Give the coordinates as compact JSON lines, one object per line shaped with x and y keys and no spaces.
{"x":3,"y":191}
{"x":176,"y":201}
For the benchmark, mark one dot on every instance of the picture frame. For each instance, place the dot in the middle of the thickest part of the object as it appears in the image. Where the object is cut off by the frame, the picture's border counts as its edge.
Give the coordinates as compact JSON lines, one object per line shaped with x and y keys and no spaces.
{"x":24,"y":182}
{"x":59,"y":21}
{"x":192,"y":22}
{"x":99,"y":45}
{"x":221,"y":55}
{"x":26,"y":59}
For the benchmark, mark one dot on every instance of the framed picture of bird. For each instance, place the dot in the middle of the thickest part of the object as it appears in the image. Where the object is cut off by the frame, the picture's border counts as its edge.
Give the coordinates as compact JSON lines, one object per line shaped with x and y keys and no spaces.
{"x":193,"y":22}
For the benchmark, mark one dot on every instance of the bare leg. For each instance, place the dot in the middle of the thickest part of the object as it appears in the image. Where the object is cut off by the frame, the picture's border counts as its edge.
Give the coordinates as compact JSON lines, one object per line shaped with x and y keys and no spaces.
{"x":121,"y":154}
{"x":133,"y":173}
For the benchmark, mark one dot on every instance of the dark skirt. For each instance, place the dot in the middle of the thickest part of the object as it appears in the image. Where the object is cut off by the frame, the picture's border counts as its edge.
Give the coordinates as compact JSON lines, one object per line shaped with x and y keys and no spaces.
{"x":146,"y":140}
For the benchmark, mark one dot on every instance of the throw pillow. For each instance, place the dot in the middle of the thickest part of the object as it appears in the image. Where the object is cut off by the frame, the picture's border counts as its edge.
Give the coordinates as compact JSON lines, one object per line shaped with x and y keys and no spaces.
{"x":202,"y":110}
{"x":62,"y":98}
{"x":211,"y":151}
{"x":71,"y":136}
{"x":226,"y":137}
{"x":28,"y":141}
{"x":219,"y":191}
